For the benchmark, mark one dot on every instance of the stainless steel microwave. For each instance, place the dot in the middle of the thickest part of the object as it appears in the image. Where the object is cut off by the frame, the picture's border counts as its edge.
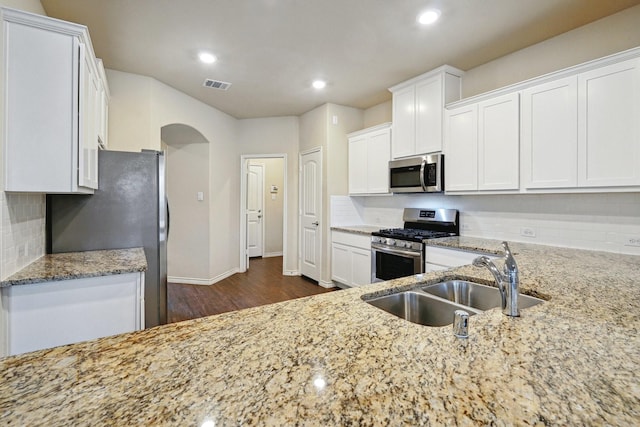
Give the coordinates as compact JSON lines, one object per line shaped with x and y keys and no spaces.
{"x":422,"y":174}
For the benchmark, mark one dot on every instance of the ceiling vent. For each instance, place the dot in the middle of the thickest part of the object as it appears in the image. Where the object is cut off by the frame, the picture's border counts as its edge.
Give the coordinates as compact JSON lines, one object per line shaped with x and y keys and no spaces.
{"x":216,"y":84}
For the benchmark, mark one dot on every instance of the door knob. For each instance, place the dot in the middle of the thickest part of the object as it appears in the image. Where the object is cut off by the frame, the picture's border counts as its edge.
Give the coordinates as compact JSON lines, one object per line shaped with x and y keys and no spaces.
{"x":315,"y":223}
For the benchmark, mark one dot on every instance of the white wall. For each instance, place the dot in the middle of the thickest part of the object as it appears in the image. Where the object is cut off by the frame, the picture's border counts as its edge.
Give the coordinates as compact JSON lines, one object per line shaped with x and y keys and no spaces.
{"x":187,"y":160}
{"x":608,"y":35}
{"x":140,"y":107}
{"x":327,"y":126}
{"x":276,"y":135}
{"x":378,"y":114}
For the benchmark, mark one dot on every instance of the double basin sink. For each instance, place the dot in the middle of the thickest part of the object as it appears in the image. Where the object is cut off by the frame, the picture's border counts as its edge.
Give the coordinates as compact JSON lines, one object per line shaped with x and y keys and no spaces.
{"x":435,"y":305}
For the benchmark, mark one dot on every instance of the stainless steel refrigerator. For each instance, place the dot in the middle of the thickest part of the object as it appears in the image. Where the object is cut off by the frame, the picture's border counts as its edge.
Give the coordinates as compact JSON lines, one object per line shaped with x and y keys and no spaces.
{"x":128,"y":210}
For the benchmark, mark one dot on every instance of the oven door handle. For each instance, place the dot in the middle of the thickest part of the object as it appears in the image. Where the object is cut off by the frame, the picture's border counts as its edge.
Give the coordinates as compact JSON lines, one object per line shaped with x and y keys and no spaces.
{"x":395,"y":251}
{"x":423,"y":166}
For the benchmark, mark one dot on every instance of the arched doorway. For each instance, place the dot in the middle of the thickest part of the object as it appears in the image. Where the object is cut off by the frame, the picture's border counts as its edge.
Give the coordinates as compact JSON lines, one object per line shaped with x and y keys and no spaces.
{"x":188,"y":191}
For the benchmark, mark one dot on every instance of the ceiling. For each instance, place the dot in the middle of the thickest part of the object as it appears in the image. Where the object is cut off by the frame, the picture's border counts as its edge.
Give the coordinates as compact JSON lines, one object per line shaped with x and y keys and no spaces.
{"x":271,"y":50}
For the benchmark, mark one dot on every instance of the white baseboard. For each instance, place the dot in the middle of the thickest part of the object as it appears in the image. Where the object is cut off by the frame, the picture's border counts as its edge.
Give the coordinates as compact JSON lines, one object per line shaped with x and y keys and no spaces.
{"x":291,"y":273}
{"x":326,"y":284}
{"x":271,"y":254}
{"x":195,"y":281}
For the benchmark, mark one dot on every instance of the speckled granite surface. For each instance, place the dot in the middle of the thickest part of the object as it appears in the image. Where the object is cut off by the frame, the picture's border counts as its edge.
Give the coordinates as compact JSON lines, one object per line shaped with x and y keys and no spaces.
{"x":332,"y":359}
{"x":358,"y":229}
{"x":76,"y":265}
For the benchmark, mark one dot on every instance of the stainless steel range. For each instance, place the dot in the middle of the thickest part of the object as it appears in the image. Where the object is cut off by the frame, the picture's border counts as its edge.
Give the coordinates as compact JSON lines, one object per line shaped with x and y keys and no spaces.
{"x":399,"y":252}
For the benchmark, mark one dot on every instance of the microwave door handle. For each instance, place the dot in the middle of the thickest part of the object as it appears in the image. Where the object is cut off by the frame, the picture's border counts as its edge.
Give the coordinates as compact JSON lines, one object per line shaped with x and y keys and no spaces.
{"x":422,"y":168}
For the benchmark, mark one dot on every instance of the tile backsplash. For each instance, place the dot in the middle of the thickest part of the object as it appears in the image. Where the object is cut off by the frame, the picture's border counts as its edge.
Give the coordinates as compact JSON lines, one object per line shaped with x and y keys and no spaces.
{"x":22,"y":230}
{"x":603,"y":221}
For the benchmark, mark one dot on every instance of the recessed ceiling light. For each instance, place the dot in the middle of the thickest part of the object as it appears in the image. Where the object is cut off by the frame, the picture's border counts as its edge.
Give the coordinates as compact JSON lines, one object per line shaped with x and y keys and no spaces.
{"x":429,"y":17}
{"x":319,"y":84}
{"x":207,"y":58}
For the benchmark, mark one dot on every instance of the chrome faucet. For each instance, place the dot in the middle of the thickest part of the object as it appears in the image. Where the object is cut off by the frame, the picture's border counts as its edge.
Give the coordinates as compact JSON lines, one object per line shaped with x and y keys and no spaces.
{"x":508,"y":281}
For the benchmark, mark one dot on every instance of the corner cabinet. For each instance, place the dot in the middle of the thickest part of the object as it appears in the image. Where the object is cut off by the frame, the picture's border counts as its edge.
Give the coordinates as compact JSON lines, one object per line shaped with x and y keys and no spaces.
{"x":418,"y":106}
{"x":52,"y":105}
{"x":369,"y":155}
{"x":350,"y":258}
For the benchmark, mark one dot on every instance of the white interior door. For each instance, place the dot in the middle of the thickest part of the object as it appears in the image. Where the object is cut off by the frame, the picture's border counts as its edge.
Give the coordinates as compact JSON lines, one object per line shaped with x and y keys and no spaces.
{"x":311,"y":214}
{"x":255,"y":210}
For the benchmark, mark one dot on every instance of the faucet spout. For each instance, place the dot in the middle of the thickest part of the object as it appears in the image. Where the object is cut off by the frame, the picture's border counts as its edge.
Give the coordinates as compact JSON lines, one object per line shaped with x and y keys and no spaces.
{"x":508,"y":280}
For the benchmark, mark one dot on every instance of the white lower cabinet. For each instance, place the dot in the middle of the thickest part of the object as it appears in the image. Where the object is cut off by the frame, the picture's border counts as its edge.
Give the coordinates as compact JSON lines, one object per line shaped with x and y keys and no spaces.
{"x":437,"y":259}
{"x":49,"y":314}
{"x":350,"y":258}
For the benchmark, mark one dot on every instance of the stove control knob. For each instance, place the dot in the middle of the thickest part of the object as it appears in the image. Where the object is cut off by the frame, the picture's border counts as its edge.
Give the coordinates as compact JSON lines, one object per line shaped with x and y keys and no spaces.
{"x":391,"y":242}
{"x":402,"y":244}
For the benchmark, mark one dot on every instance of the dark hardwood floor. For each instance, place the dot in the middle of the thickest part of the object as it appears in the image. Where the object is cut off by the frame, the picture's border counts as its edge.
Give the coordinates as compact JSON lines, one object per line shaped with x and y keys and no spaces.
{"x":262,"y":284}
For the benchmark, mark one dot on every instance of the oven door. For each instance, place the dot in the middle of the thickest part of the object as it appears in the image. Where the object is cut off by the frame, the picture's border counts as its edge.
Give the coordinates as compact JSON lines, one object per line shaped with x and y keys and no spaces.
{"x":389,"y":263}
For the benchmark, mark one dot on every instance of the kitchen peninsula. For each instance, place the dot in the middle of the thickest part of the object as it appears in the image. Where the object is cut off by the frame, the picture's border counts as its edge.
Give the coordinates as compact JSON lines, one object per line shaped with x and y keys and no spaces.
{"x":332,"y":359}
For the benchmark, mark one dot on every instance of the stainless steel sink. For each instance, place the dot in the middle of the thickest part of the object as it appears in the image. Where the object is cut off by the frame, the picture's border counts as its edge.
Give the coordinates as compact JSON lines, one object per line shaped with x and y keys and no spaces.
{"x":475,"y":295}
{"x":420,"y":308}
{"x":435,"y":305}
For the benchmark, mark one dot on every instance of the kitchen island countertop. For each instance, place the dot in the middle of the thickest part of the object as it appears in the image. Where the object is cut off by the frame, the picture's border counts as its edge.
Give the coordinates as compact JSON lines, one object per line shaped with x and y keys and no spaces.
{"x":332,"y":359}
{"x":78,"y":265}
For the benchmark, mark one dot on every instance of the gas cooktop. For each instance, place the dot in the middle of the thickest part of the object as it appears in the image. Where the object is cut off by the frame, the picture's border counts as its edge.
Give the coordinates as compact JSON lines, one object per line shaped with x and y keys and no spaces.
{"x":412,"y":234}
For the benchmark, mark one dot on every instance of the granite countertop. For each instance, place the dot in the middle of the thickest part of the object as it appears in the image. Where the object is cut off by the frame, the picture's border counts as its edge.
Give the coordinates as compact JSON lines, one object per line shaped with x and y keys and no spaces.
{"x":332,"y":359}
{"x":358,"y":229}
{"x":77,"y":265}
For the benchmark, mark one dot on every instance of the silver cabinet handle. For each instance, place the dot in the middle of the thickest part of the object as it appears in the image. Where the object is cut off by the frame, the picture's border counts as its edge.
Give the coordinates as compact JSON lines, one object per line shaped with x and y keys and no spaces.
{"x":315,"y":223}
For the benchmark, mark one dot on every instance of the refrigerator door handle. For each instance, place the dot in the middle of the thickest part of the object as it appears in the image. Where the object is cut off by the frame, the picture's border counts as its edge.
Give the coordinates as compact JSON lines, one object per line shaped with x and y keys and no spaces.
{"x":168,"y":217}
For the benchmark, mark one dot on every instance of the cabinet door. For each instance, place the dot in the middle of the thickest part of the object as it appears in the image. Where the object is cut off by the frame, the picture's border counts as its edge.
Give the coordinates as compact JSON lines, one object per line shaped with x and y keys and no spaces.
{"x":341,"y":263}
{"x":461,"y":149}
{"x":550,"y":134}
{"x":41,"y":93}
{"x":378,"y":156}
{"x":49,"y":314}
{"x":360,"y":267}
{"x":609,"y":125}
{"x":429,"y":106}
{"x":498,"y":143}
{"x":404,"y":124}
{"x":88,"y":134}
{"x":358,"y":165}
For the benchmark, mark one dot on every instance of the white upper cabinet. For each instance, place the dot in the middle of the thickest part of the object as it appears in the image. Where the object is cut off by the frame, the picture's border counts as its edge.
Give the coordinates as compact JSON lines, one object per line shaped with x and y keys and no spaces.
{"x":461,"y":149}
{"x":574,"y":130}
{"x":418,"y":106}
{"x":498,"y":143}
{"x":481,"y":146}
{"x":369,"y":155}
{"x":549,"y":121}
{"x":103,"y":106}
{"x":52,"y":105}
{"x":609,"y":125}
